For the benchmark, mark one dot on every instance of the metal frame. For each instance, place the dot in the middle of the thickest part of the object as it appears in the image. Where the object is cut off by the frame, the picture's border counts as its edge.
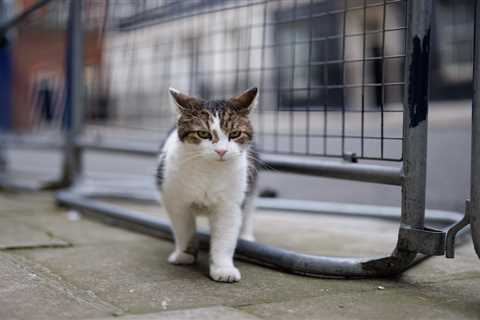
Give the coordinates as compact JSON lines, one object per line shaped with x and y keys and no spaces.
{"x":415,"y":241}
{"x":317,"y":96}
{"x":325,"y":168}
{"x":74,"y":75}
{"x":415,"y":126}
{"x":472,"y":205}
{"x":75,"y":86}
{"x":266,"y":255}
{"x":475,"y":160}
{"x":413,"y":238}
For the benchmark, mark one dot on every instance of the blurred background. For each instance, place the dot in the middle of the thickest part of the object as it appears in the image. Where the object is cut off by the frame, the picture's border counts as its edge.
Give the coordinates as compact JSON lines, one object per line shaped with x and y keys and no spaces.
{"x":330,"y":75}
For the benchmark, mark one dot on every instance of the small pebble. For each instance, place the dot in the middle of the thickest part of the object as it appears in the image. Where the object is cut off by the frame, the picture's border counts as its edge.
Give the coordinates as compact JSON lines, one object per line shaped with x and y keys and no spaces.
{"x":164,"y":304}
{"x":73,"y":215}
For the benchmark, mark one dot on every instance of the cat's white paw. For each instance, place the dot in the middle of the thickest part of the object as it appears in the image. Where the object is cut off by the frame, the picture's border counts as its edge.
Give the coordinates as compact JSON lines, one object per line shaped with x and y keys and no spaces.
{"x":178,"y":257}
{"x":225,"y":274}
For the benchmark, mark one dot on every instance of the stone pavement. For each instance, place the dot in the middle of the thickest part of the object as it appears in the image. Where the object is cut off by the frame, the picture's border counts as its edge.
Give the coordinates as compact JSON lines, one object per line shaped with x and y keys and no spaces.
{"x":55,"y":264}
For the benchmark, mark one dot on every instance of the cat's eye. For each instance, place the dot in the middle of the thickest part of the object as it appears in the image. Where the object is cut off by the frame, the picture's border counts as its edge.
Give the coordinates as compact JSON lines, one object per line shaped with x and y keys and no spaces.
{"x":204,"y":134}
{"x":234,"y":134}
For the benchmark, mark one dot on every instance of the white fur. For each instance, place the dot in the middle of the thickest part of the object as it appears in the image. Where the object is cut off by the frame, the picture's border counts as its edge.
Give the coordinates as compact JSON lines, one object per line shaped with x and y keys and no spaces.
{"x":198,"y":181}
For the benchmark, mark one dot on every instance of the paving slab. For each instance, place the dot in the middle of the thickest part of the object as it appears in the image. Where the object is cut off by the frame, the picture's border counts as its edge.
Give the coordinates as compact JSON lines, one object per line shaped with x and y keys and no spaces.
{"x":75,"y":228}
{"x":105,"y":270}
{"x":383,"y":304}
{"x":13,"y":203}
{"x":211,"y":313}
{"x":136,"y":276}
{"x":9,"y":205}
{"x":466,"y":265}
{"x":14,"y":235}
{"x":318,"y":234}
{"x":460,"y":295}
{"x":326,"y":234}
{"x":27,"y":293}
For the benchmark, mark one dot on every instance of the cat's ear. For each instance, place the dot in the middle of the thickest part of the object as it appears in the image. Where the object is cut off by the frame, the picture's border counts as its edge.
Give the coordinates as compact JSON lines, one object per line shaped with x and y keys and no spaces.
{"x":245,"y":102}
{"x":185,"y":103}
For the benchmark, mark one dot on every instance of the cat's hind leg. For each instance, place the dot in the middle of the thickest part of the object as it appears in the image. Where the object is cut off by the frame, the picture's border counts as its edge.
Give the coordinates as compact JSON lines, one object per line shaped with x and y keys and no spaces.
{"x":246,"y":232}
{"x":184,"y":229}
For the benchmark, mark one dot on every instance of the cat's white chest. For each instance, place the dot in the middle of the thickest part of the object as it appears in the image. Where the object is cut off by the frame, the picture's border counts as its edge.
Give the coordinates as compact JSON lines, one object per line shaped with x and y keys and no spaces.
{"x":205,"y":184}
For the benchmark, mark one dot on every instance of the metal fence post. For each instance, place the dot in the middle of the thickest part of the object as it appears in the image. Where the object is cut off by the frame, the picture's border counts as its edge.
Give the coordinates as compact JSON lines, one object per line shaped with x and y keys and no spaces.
{"x":415,"y":118}
{"x":5,"y":84}
{"x":3,"y":158}
{"x":475,"y":161}
{"x":72,"y":163}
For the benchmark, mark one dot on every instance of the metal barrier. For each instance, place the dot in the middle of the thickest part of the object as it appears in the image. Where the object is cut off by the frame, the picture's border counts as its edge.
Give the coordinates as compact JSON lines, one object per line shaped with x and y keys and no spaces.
{"x":474,"y":207}
{"x":313,"y":104}
{"x":44,"y":63}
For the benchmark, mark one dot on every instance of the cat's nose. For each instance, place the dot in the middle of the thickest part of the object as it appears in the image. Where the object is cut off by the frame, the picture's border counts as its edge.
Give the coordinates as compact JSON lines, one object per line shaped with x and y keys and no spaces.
{"x":221,"y":152}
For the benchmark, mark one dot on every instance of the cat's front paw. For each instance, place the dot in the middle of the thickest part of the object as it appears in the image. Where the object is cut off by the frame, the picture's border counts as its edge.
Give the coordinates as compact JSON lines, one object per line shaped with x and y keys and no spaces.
{"x":225,"y":274}
{"x":178,"y":257}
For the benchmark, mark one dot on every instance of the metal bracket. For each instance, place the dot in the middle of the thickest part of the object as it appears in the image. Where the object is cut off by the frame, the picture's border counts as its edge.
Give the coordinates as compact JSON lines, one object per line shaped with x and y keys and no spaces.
{"x":350,"y":157}
{"x":452,"y":232}
{"x":427,"y":241}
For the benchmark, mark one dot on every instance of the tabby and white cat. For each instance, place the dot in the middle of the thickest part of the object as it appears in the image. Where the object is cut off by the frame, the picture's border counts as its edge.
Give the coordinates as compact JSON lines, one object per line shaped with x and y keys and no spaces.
{"x":207,"y":166}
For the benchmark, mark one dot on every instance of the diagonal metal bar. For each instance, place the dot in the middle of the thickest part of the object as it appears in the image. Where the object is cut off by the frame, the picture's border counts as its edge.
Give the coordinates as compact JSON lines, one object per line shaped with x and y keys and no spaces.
{"x":262,"y":254}
{"x":22,"y":16}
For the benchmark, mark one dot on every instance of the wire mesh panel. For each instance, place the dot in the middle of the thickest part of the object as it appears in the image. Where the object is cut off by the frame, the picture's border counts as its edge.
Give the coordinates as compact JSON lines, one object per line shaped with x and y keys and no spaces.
{"x":38,"y":47}
{"x":330,"y":73}
{"x":36,"y":55}
{"x":32,"y":103}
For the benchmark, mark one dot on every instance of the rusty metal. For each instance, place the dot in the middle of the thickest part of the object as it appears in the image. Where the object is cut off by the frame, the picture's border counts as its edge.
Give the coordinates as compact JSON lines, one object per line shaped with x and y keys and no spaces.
{"x":415,"y":122}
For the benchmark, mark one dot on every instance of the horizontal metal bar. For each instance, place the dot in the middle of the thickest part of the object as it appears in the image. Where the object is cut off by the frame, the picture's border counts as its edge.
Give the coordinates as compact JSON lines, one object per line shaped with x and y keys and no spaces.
{"x":120,"y":147}
{"x":262,"y":254}
{"x":141,"y":188}
{"x":156,"y":16}
{"x":30,"y":141}
{"x":334,"y":169}
{"x":212,"y":33}
{"x":300,"y":165}
{"x":6,"y":183}
{"x":325,"y":62}
{"x":388,"y":213}
{"x":9,"y":183}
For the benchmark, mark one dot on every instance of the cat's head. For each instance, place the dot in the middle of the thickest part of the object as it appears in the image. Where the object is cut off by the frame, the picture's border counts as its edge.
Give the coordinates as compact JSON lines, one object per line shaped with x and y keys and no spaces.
{"x":215,"y":129}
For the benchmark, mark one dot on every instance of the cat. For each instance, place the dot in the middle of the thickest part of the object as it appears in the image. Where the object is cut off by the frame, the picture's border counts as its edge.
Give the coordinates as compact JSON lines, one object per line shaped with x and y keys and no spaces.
{"x":207,"y":166}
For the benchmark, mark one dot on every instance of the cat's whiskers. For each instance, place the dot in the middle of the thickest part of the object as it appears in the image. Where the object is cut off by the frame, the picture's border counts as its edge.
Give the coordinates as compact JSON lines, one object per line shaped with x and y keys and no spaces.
{"x":261,"y":163}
